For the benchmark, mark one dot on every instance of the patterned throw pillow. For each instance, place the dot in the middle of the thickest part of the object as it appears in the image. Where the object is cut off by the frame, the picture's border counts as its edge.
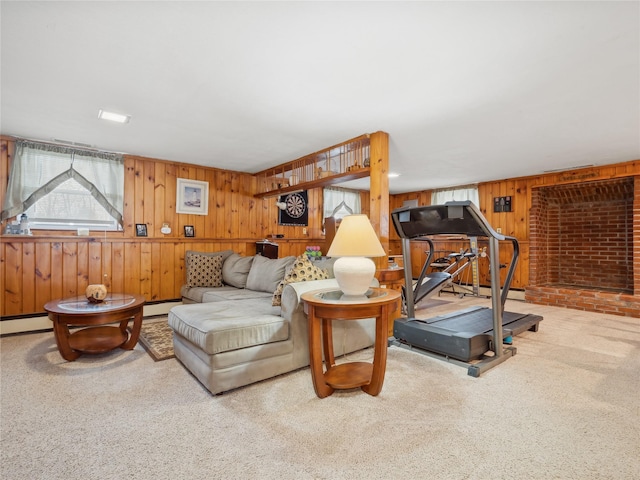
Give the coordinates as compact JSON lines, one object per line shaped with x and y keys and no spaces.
{"x":204,"y":270}
{"x":302,"y":270}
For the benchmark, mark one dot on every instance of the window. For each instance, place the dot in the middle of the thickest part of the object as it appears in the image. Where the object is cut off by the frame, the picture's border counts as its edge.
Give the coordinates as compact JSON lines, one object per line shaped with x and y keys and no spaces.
{"x":459,"y":194}
{"x":338,"y":202}
{"x":62,"y":188}
{"x":79,"y":207}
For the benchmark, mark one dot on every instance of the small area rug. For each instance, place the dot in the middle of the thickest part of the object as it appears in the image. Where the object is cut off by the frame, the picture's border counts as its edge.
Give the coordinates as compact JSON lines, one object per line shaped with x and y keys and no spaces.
{"x":157,"y":339}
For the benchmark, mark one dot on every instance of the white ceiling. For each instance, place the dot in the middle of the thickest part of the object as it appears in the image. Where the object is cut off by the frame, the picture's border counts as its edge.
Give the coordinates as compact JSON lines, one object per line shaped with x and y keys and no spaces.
{"x":468,"y":91}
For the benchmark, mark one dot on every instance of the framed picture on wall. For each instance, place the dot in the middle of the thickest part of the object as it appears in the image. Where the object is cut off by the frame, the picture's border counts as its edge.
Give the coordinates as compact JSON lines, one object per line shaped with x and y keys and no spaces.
{"x":141,"y":229}
{"x":192,"y":196}
{"x":189,"y":231}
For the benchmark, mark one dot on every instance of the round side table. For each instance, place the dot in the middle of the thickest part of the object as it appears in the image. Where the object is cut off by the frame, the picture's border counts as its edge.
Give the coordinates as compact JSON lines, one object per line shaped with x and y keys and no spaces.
{"x":324,"y":306}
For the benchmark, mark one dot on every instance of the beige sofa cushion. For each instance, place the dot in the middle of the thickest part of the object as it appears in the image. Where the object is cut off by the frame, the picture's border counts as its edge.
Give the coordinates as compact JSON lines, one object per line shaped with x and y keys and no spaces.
{"x":266,"y":273}
{"x":235,"y":270}
{"x":230,"y":325}
{"x":219,"y":294}
{"x":232,"y":293}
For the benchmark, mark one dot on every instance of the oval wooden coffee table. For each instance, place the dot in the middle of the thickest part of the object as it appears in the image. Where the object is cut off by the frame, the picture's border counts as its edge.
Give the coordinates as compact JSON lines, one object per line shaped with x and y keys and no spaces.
{"x":98,"y":337}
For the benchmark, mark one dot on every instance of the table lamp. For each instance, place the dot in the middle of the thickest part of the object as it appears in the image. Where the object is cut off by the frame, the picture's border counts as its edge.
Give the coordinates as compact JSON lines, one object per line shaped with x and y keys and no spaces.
{"x":354,"y":241}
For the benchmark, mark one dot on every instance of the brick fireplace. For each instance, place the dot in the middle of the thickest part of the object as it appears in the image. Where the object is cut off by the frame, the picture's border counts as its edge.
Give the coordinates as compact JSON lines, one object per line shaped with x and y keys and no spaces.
{"x":585,"y":246}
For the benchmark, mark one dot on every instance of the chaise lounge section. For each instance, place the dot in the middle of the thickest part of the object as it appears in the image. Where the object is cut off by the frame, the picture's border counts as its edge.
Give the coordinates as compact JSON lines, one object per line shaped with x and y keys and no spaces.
{"x":245,"y":330}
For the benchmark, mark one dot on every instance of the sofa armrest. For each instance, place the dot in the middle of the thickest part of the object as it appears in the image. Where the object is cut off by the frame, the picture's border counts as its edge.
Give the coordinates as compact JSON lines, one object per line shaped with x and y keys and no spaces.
{"x":292,"y":292}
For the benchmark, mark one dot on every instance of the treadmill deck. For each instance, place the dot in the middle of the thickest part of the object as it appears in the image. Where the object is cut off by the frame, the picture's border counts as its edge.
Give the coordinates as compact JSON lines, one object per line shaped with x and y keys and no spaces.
{"x":464,"y":335}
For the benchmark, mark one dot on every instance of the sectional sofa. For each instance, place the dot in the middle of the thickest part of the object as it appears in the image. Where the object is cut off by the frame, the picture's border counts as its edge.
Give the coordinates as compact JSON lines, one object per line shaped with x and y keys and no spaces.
{"x":242,"y":319}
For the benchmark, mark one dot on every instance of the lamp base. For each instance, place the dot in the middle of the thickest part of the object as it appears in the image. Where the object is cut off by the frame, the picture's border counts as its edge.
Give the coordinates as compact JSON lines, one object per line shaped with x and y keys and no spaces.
{"x":354,"y":275}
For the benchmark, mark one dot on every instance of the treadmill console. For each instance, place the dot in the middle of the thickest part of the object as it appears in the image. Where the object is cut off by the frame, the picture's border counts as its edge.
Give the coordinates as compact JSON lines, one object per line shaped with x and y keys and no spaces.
{"x":452,"y":218}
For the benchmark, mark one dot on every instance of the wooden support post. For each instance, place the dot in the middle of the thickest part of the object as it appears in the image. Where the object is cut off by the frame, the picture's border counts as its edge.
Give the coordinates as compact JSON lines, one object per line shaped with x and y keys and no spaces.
{"x":379,"y":190}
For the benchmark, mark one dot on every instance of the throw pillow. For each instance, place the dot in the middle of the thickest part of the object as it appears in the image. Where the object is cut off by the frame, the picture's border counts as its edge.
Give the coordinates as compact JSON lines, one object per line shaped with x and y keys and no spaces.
{"x":223,"y":253}
{"x":302,"y":270}
{"x":189,"y":254}
{"x":204,"y":270}
{"x":266,"y":273}
{"x":235,"y":270}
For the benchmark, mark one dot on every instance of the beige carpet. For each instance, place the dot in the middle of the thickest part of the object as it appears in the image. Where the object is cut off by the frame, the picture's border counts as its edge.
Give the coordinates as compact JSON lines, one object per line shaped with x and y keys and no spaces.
{"x":432,"y":302}
{"x":567,"y":406}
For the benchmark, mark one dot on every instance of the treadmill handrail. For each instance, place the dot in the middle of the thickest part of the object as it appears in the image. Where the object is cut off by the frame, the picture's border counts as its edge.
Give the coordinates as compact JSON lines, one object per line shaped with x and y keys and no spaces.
{"x":512,"y":268}
{"x":423,"y":272}
{"x":457,"y":217}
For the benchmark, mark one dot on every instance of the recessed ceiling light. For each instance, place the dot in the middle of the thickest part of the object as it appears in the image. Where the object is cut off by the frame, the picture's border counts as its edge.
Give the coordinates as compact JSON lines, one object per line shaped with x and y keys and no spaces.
{"x":114,"y":117}
{"x":393,"y":175}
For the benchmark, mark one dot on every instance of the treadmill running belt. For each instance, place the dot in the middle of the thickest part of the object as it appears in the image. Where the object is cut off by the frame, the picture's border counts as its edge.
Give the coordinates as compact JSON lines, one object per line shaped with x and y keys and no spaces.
{"x":464,"y":335}
{"x":475,"y":319}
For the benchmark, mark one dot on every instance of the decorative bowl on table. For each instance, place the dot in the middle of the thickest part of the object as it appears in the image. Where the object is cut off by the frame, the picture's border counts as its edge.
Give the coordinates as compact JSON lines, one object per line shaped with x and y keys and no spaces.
{"x":96,"y":293}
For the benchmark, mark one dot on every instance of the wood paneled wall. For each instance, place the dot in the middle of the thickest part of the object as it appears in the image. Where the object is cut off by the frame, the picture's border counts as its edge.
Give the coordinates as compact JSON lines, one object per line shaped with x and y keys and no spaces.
{"x":49,"y":265}
{"x":514,"y":223}
{"x":234,"y":213}
{"x":56,"y":264}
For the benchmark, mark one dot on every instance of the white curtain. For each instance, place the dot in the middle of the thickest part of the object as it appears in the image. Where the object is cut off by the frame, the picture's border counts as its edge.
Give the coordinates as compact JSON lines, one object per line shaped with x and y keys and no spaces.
{"x":438,"y":197}
{"x":339,"y":202}
{"x":39,"y":168}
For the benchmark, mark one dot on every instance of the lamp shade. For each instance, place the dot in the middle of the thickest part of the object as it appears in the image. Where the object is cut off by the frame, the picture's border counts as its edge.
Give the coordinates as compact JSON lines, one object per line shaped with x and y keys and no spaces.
{"x":356,"y":238}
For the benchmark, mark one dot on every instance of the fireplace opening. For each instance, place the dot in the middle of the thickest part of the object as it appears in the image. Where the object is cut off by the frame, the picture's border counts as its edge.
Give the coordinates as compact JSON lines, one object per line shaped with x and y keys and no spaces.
{"x":583,"y":236}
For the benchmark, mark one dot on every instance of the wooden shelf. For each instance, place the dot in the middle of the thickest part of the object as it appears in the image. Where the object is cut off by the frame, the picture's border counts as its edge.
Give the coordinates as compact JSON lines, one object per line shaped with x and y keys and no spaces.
{"x":349,"y":375}
{"x":321,"y":182}
{"x":339,"y":163}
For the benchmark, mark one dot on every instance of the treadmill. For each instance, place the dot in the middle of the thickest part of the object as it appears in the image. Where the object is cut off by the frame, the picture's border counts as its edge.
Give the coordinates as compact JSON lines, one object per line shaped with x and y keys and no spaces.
{"x":468,"y":334}
{"x":430,"y":284}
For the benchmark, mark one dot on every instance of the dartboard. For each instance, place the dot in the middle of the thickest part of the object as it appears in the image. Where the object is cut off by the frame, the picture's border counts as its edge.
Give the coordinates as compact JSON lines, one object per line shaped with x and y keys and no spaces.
{"x":296,"y":205}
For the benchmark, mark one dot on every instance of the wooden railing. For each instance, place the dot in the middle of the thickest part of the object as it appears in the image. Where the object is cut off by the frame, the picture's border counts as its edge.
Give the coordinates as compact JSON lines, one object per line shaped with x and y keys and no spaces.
{"x":345,"y":161}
